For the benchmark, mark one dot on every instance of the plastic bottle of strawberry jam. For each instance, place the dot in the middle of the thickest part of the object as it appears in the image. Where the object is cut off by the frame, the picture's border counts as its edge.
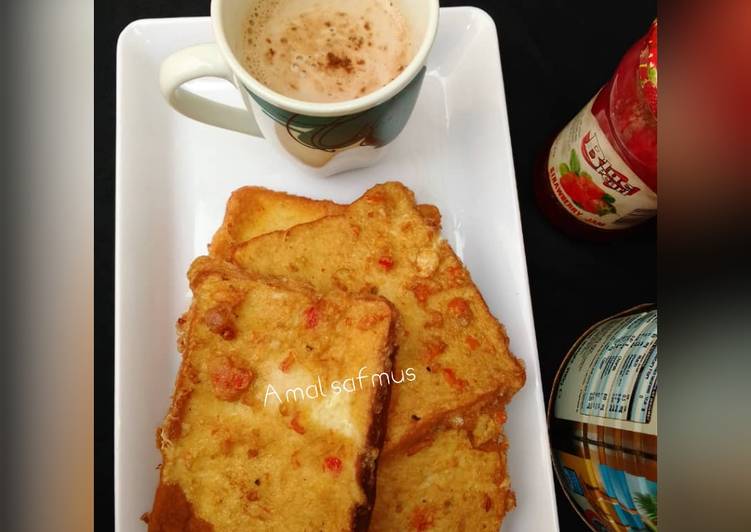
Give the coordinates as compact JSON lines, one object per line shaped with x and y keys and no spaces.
{"x":599,"y":177}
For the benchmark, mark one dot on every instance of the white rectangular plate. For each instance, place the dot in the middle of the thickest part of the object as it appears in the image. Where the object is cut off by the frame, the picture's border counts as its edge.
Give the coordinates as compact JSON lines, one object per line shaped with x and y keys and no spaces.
{"x":175,"y":175}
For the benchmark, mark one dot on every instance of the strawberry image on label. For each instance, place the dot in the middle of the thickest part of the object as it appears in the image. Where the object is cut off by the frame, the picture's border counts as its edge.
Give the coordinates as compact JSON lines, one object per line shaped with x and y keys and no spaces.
{"x":582,"y":190}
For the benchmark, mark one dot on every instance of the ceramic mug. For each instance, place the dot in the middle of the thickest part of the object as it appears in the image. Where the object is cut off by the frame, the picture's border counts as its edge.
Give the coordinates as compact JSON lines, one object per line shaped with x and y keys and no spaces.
{"x":325,"y":137}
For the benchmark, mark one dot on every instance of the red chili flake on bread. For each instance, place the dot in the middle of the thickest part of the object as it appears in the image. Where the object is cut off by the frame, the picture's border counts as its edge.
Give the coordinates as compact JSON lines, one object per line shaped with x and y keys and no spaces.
{"x":457,"y":275}
{"x":453,"y":380}
{"x":295,"y":459}
{"x":432,"y":348}
{"x":421,"y":291}
{"x":229,"y":382}
{"x":227,"y":445}
{"x":501,"y":417}
{"x":375,"y":197}
{"x":487,"y":503}
{"x":435,"y":319}
{"x":472,"y":342}
{"x":421,"y":519}
{"x":367,"y":322}
{"x":220,"y":321}
{"x":386,"y":263}
{"x":459,"y":308}
{"x":294,"y":424}
{"x":312,"y":316}
{"x":287,"y":363}
{"x":333,"y":464}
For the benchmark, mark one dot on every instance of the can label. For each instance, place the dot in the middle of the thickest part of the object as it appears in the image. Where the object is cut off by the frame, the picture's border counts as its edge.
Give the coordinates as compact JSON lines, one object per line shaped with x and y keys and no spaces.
{"x":610,"y":498}
{"x":603,"y":424}
{"x":611,"y":379}
{"x":592,"y":181}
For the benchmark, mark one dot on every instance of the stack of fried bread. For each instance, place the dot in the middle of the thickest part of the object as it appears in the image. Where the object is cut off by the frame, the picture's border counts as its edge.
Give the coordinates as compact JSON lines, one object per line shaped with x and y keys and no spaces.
{"x":237,"y":456}
{"x":443,"y":462}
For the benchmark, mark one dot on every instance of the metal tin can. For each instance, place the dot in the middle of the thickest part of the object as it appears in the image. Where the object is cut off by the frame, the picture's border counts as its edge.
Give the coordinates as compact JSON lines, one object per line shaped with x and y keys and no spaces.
{"x":602,"y":418}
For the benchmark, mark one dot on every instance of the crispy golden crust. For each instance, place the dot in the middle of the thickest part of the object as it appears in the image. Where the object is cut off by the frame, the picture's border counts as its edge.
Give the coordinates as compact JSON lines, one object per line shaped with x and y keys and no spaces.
{"x":368,"y":462}
{"x":173,"y":513}
{"x":430,"y":214}
{"x":231,"y":462}
{"x":384,"y":244}
{"x":254,"y":211}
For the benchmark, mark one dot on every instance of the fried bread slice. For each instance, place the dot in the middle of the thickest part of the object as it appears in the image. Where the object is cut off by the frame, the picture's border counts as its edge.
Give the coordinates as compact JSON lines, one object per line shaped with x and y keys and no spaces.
{"x":420,"y":473}
{"x":254,"y":211}
{"x":454,"y":480}
{"x":383,"y":244}
{"x":239,"y":456}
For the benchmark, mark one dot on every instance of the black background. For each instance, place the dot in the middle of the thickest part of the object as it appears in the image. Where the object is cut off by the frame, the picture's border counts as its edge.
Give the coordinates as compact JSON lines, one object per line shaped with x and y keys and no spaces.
{"x":555,"y":54}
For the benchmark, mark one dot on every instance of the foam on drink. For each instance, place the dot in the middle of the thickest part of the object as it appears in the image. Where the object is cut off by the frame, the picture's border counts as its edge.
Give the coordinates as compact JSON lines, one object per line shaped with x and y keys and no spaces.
{"x":326,"y":50}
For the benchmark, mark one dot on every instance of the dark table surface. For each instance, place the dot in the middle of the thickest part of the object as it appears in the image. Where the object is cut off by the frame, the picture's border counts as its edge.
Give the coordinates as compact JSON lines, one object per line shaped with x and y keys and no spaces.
{"x":555,"y":54}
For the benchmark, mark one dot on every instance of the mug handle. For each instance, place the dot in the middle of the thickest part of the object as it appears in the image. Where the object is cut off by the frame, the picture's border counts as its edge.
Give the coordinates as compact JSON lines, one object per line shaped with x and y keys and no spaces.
{"x":197,"y":62}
